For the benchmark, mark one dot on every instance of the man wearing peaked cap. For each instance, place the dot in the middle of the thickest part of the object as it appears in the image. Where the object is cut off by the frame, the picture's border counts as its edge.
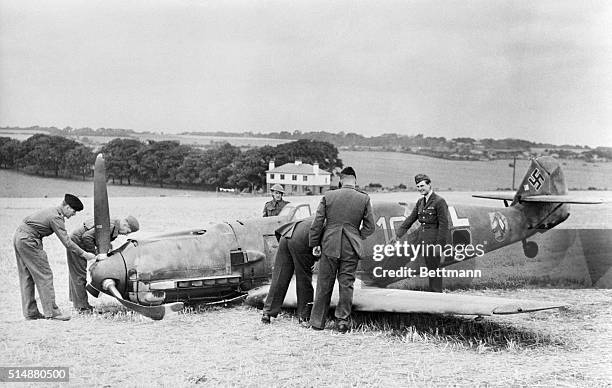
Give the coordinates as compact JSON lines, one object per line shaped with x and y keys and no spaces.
{"x":85,"y":238}
{"x":32,"y":262}
{"x":274,"y":207}
{"x":432,"y":213}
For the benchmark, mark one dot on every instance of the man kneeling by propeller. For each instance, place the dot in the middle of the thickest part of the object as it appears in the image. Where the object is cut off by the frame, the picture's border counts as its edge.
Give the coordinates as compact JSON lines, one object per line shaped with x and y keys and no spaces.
{"x":85,"y":238}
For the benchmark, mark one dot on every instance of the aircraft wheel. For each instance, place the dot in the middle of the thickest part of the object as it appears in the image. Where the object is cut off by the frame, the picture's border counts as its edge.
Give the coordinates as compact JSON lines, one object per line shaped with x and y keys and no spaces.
{"x":531,"y":249}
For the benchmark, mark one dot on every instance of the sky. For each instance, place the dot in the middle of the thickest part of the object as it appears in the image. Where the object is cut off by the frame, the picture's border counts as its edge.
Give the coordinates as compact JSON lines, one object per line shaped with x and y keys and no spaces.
{"x":536,"y":70}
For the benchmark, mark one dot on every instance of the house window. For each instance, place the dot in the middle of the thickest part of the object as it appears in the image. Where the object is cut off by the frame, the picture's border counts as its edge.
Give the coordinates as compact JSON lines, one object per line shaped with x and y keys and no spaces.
{"x":271,"y":176}
{"x":305,"y":178}
{"x":282,"y":176}
{"x":294,"y":177}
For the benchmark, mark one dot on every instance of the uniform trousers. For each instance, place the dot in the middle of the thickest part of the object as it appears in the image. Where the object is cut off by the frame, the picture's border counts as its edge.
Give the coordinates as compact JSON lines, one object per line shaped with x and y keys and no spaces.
{"x":77,"y":270}
{"x":330,"y":268}
{"x":291,"y":258}
{"x":34,"y":271}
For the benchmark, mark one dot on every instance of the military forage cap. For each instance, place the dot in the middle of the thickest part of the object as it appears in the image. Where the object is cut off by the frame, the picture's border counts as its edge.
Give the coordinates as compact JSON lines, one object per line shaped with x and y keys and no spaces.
{"x":74,"y":202}
{"x":421,"y":177}
{"x":348,"y":171}
{"x":133,"y":223}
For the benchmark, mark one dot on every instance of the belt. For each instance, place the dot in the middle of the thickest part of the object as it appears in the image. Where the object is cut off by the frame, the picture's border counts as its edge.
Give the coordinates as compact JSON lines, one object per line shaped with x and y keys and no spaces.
{"x":429,"y":226}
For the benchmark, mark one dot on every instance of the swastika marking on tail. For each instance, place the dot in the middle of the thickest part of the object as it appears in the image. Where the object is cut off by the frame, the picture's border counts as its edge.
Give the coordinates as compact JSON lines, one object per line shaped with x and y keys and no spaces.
{"x":536,"y":179}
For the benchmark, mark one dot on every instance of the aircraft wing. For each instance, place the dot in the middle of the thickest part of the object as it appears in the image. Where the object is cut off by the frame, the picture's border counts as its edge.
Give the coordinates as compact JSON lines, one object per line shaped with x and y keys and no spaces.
{"x":404,"y":301}
{"x":542,"y":198}
{"x":561,"y":199}
{"x":502,"y":196}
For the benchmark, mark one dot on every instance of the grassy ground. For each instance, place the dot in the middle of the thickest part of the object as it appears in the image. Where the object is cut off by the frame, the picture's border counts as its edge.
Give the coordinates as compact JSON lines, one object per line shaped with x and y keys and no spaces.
{"x":229,"y":346}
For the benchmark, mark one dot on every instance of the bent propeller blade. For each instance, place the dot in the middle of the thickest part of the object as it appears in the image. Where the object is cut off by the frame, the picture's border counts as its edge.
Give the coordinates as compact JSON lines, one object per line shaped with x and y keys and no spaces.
{"x":101,"y":213}
{"x":154,"y":312}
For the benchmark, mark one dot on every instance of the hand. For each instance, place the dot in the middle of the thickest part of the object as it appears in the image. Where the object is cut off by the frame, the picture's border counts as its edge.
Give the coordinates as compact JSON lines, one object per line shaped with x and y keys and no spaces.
{"x":392,"y":241}
{"x":89,"y":256}
{"x":315,"y":267}
{"x":316,"y":251}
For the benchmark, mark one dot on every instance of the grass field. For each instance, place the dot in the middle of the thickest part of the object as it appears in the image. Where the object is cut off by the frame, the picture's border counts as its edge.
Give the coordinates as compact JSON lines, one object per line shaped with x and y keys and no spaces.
{"x":228,"y":346}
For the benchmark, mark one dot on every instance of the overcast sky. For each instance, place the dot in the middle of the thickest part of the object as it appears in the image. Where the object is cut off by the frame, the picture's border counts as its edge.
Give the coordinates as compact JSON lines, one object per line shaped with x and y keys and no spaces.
{"x":538,"y":70}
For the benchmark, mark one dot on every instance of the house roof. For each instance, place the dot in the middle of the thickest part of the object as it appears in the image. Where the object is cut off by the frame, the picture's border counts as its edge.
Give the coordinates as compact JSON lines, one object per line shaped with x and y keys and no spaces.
{"x":292,"y":168}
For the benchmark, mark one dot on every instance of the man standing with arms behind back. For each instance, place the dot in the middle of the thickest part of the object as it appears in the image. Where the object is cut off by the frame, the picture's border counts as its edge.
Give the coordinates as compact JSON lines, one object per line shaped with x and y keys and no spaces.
{"x":344,"y":218}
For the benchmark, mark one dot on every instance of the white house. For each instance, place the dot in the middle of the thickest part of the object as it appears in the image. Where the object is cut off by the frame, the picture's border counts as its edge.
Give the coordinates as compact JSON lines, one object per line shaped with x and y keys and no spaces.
{"x":298,"y":178}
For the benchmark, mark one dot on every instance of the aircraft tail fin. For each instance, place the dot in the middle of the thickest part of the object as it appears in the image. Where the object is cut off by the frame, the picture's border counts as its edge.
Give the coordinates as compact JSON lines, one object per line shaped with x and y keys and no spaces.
{"x":544,"y":177}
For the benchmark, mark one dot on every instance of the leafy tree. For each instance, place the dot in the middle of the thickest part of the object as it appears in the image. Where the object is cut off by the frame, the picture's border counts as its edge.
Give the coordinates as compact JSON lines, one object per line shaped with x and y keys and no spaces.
{"x":43,"y":153}
{"x":122,"y":159}
{"x":218,"y":165}
{"x":9,"y":151}
{"x":79,"y":161}
{"x":160,"y":161}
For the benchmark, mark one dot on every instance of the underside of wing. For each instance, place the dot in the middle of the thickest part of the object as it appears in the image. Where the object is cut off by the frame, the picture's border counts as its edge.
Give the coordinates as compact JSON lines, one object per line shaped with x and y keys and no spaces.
{"x":404,"y":301}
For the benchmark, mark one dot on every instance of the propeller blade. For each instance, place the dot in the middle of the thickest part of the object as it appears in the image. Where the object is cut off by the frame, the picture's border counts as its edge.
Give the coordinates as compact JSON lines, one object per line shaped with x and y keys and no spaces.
{"x":101,"y":213}
{"x":154,"y":312}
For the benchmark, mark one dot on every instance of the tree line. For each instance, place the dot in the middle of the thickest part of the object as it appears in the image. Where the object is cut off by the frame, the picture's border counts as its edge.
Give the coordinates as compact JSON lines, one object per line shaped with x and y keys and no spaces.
{"x":162,"y":163}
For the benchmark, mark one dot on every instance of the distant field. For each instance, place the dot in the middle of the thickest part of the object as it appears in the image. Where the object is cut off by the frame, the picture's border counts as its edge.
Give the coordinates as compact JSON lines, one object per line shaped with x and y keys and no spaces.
{"x":393,"y":168}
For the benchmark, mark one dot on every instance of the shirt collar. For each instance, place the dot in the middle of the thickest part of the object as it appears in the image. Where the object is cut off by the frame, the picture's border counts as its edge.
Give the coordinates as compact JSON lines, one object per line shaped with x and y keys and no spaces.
{"x":428,"y":196}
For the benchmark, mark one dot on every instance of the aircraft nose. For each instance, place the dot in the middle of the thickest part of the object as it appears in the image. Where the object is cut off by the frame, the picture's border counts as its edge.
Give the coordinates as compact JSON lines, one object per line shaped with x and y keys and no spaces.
{"x":113,"y":267}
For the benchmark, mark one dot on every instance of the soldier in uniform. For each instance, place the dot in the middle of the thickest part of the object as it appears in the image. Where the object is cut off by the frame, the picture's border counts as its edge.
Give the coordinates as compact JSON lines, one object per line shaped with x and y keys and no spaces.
{"x":432,"y":212}
{"x":32,"y":263}
{"x":344,"y":218}
{"x":293,"y":256}
{"x":85,"y":238}
{"x":273,"y":207}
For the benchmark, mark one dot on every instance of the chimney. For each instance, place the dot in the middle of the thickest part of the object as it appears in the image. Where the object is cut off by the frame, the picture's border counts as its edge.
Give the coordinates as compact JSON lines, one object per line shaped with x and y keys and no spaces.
{"x":315,"y":168}
{"x":298,"y":162}
{"x":271,"y":165}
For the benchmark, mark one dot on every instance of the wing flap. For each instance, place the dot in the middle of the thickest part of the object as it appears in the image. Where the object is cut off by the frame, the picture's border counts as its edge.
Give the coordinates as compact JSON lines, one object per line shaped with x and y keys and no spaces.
{"x":404,"y":301}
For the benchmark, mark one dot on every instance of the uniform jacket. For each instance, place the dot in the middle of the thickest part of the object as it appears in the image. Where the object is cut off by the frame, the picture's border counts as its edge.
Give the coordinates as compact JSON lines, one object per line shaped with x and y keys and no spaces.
{"x":347,"y":212}
{"x":49,"y":221}
{"x":85,"y":235}
{"x":433,"y":217}
{"x":272,"y":208}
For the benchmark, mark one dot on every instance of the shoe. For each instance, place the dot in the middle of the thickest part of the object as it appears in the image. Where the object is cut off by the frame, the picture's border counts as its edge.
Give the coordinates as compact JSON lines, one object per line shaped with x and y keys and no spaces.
{"x":305,"y":324}
{"x":84,"y":310}
{"x":343,"y":328}
{"x":301,"y":320}
{"x":316,"y":328}
{"x":60,"y":317}
{"x":38,"y":315}
{"x":265,"y":318}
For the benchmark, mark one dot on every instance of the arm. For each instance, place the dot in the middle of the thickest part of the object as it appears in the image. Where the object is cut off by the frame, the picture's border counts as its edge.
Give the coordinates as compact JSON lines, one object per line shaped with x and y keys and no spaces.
{"x":59,"y":228}
{"x":408,"y":222}
{"x":316,"y":228}
{"x":89,"y":240}
{"x":367,"y":225}
{"x":442,"y":210}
